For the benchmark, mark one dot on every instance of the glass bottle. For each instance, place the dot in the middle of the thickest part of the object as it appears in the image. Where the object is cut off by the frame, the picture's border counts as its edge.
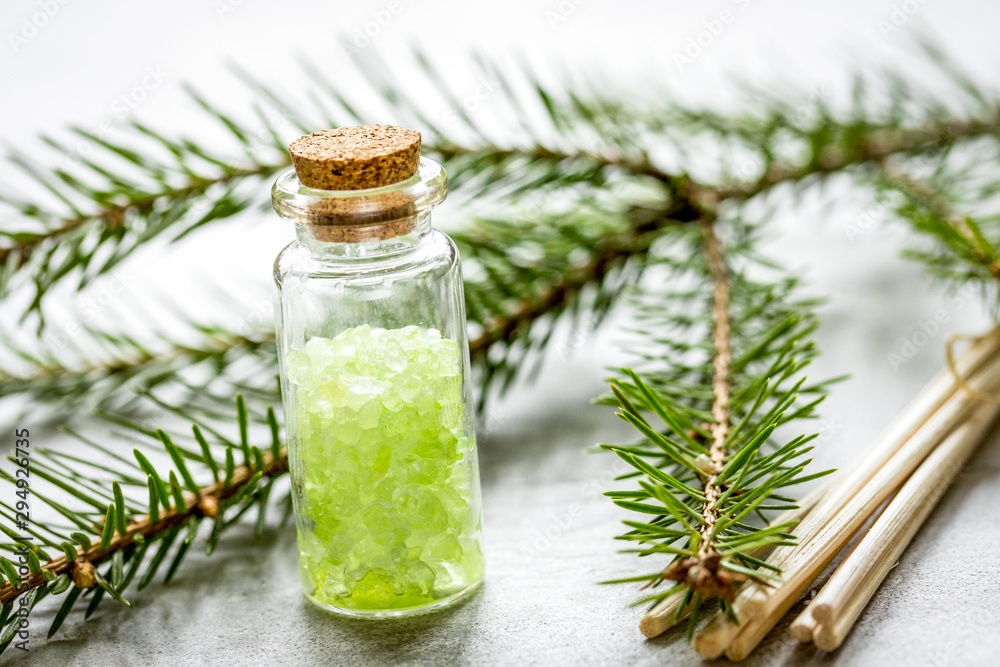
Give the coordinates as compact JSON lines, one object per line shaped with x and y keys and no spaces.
{"x":374,"y":361}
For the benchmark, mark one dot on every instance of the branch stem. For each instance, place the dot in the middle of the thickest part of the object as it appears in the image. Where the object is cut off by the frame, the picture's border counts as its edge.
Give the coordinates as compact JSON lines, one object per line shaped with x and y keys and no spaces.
{"x":720,"y":380}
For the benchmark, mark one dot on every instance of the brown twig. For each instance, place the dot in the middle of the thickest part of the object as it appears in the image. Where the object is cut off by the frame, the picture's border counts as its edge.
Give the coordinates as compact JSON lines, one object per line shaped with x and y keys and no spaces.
{"x":720,"y":380}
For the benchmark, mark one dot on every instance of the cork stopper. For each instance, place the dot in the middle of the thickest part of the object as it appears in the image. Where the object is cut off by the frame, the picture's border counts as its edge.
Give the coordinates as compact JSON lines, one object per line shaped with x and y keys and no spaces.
{"x":358,"y":184}
{"x":356,"y":158}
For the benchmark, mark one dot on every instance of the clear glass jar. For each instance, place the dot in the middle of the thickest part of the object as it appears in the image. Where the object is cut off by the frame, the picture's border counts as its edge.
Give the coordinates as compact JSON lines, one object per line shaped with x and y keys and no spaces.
{"x":374,"y":362}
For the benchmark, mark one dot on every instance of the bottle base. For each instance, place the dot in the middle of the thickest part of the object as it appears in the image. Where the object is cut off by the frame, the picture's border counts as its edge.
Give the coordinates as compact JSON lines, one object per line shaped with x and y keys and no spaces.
{"x":373,"y":614}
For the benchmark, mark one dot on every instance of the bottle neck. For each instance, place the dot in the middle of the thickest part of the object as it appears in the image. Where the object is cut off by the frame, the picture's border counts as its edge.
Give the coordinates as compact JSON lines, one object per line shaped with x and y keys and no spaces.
{"x":364,"y":241}
{"x":349,"y":224}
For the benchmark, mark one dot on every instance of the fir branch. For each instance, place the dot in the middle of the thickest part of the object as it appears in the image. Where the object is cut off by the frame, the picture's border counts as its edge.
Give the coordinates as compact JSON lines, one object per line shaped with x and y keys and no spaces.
{"x":841,"y":146}
{"x":194,"y":174}
{"x":111,"y":217}
{"x":125,"y":196}
{"x":535,"y":291}
{"x":100,"y":384}
{"x":963,"y":247}
{"x":721,"y":361}
{"x":205,"y":504}
{"x":129,"y":533}
{"x":683,"y":192}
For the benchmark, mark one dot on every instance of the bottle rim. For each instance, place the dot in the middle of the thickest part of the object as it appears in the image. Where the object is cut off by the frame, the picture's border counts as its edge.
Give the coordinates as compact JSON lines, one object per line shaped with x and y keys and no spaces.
{"x":383,"y":205}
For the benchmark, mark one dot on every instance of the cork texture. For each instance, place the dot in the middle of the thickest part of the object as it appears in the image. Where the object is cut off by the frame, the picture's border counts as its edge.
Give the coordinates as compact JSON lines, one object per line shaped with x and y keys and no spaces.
{"x":356,"y":158}
{"x":362,"y":233}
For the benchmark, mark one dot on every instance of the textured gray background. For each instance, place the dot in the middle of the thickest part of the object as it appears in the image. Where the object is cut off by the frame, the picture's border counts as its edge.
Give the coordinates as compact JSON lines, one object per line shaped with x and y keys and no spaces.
{"x":548,"y":531}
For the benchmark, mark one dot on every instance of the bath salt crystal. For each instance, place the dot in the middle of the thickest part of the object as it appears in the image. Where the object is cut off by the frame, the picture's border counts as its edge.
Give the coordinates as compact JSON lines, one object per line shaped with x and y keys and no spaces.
{"x":386,"y":462}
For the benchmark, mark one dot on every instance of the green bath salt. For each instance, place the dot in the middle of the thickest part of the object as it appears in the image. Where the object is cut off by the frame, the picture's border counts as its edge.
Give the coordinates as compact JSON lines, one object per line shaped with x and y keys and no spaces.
{"x":388,"y":508}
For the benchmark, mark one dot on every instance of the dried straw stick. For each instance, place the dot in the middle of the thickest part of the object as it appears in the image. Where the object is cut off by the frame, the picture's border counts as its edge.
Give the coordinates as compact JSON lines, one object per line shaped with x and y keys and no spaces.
{"x":665,"y":615}
{"x":803,"y":567}
{"x":847,"y":593}
{"x":803,"y":627}
{"x":825,"y":530}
